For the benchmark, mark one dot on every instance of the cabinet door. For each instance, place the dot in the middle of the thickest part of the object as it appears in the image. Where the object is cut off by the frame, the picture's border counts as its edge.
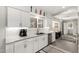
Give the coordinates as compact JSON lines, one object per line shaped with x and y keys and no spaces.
{"x":40,"y":23}
{"x":10,"y":48}
{"x":13,"y":17}
{"x":27,"y":8}
{"x":41,"y":42}
{"x":25,"y":19}
{"x":20,"y":47}
{"x":46,"y":40}
{"x":36,"y":44}
{"x":53,"y":36}
{"x":29,"y":45}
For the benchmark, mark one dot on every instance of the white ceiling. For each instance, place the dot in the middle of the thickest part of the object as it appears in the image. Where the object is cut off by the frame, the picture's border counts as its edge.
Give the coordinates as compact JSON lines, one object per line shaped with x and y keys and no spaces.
{"x":69,"y":14}
{"x":54,"y":10}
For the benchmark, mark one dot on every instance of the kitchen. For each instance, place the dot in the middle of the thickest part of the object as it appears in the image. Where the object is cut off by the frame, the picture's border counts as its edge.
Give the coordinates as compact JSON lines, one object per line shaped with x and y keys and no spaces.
{"x":40,"y":29}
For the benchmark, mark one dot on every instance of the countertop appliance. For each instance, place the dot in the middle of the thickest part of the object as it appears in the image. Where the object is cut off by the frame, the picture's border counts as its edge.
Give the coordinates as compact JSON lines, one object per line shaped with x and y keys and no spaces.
{"x":23,"y":32}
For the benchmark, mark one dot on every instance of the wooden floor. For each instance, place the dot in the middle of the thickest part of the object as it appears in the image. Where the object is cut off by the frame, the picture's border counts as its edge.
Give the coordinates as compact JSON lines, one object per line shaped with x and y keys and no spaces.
{"x":60,"y":46}
{"x":66,"y":45}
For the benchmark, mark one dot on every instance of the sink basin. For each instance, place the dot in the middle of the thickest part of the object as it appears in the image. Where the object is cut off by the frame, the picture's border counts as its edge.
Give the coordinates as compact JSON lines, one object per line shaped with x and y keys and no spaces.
{"x":40,"y":33}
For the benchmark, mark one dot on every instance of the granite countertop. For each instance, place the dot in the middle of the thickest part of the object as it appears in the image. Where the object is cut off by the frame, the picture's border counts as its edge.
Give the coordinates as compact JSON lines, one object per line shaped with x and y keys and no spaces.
{"x":16,"y":39}
{"x":12,"y":39}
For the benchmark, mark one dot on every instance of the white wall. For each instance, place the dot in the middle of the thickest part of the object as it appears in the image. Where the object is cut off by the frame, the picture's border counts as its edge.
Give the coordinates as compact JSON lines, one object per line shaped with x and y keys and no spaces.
{"x":2,"y":28}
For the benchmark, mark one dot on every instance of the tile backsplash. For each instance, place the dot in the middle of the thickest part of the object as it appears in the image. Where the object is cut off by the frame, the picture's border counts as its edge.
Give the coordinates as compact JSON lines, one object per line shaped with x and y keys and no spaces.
{"x":14,"y":32}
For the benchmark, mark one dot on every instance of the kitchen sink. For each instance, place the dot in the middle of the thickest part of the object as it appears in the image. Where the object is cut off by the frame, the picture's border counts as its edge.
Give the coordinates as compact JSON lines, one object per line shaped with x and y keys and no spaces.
{"x":40,"y":33}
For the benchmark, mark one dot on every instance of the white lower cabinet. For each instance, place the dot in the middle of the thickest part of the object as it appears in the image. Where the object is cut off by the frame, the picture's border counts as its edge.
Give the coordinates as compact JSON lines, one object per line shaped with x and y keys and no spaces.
{"x":10,"y":48}
{"x":25,"y":46}
{"x":46,"y":40}
{"x":36,"y":44}
{"x":29,"y":45}
{"x":43,"y":41}
{"x":53,"y":37}
{"x":20,"y":47}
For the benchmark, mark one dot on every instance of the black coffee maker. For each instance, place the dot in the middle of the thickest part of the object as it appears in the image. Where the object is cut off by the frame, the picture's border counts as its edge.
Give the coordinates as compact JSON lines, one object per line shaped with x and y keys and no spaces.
{"x":23,"y":33}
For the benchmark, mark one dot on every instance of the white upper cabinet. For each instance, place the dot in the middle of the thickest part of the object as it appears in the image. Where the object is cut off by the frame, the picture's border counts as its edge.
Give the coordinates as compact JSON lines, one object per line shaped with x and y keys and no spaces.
{"x":17,"y":18}
{"x":25,"y":19}
{"x":24,"y":8}
{"x":27,"y":8}
{"x":13,"y":17}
